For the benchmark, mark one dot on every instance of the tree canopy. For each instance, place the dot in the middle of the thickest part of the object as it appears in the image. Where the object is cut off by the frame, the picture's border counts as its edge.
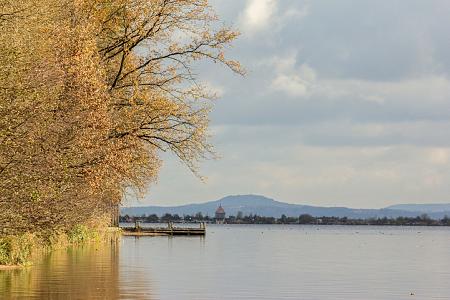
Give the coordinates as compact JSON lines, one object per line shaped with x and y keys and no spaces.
{"x":90,"y":92}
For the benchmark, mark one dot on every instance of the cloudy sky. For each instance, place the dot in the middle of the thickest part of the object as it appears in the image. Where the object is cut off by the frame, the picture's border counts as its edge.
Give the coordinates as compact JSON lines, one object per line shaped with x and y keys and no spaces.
{"x":346,"y":103}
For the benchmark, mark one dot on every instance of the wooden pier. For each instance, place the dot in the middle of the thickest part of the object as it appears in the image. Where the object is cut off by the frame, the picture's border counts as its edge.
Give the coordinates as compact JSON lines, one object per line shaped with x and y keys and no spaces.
{"x":170,"y":230}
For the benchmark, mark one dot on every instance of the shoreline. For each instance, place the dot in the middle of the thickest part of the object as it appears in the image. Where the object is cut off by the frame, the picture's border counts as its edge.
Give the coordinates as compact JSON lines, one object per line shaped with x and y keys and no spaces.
{"x":11,"y":267}
{"x":23,"y":250}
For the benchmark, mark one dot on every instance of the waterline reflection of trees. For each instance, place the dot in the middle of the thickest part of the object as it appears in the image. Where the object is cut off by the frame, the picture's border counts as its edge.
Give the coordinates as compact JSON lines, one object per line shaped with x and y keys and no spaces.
{"x":88,"y":272}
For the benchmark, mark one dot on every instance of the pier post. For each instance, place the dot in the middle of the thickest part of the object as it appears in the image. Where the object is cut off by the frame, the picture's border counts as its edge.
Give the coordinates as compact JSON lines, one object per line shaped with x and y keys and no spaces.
{"x":170,"y":227}
{"x":137,"y":225}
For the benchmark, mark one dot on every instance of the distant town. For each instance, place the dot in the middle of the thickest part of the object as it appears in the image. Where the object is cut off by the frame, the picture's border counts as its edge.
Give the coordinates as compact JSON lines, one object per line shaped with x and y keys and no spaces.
{"x":305,"y":219}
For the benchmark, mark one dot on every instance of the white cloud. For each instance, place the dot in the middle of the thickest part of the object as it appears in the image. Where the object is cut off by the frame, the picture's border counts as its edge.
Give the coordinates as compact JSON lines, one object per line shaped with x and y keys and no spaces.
{"x":439,"y":156}
{"x":416,"y":93}
{"x":283,"y":64}
{"x":258,"y":14}
{"x":293,"y":85}
{"x":270,"y":16}
{"x":432,"y":179}
{"x":296,"y":12}
{"x":294,"y":82}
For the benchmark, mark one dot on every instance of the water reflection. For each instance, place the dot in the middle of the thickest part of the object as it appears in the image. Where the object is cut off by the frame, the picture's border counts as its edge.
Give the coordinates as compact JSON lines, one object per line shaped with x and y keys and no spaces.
{"x":87,"y":272}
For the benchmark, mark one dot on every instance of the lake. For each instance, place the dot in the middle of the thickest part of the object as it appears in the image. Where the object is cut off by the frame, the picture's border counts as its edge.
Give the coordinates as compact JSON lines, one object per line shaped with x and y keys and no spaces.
{"x":248,"y":262}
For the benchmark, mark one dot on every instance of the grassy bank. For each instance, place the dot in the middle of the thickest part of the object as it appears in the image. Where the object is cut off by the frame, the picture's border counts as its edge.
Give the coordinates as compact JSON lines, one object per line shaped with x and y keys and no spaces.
{"x":21,"y":250}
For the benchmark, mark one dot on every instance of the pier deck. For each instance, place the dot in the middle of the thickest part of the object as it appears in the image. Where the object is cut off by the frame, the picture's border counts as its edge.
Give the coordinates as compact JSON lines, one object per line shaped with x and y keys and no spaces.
{"x":137,"y":230}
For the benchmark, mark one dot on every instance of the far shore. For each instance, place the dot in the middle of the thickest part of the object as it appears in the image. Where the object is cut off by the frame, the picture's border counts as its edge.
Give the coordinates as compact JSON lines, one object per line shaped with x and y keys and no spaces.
{"x":281,"y":224}
{"x":304,"y":219}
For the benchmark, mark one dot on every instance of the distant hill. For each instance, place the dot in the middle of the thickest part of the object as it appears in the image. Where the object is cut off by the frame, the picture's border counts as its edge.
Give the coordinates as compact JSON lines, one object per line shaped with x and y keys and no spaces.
{"x":425,"y":208}
{"x":263,"y":206}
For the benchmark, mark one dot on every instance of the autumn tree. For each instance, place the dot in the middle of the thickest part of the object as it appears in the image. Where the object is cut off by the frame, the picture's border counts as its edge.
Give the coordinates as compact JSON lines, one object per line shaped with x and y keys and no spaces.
{"x":149,"y":48}
{"x":90,"y":92}
{"x":53,"y":113}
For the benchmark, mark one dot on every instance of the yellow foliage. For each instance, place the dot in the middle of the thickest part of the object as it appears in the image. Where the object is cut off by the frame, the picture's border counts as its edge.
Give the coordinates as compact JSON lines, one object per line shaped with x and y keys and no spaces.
{"x":90,"y":92}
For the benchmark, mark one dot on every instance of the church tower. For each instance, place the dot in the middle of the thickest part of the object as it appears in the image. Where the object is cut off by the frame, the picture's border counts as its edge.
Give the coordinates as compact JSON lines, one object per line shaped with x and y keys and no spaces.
{"x":220,"y":215}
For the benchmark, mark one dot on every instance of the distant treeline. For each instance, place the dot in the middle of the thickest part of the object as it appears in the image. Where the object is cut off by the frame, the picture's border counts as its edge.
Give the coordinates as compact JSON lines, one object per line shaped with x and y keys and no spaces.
{"x":423,"y":220}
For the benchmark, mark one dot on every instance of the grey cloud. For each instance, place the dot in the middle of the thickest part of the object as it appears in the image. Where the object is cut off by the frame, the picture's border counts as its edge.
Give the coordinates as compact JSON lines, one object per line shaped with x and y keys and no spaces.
{"x":358,"y":101}
{"x":337,"y":133}
{"x":371,"y":127}
{"x":376,"y":40}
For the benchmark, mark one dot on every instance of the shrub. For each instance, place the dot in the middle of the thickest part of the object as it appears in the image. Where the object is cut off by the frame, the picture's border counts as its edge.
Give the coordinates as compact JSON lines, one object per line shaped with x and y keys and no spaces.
{"x":17,"y":250}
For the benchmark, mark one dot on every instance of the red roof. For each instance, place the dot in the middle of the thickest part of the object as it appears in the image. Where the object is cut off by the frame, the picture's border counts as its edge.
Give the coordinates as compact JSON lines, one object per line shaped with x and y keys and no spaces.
{"x":220,"y":210}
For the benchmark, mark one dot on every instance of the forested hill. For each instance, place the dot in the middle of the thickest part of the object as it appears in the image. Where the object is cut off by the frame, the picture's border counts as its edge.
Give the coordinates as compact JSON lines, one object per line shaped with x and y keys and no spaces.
{"x":263,"y":206}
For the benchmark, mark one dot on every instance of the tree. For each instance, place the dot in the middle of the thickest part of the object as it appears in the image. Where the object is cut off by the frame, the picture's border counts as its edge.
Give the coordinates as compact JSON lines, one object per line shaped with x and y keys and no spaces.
{"x":153,"y":218}
{"x":199,"y":216}
{"x":53,"y":117}
{"x":167,"y":218}
{"x":306,"y":219}
{"x":90,"y":93}
{"x":157,"y":102}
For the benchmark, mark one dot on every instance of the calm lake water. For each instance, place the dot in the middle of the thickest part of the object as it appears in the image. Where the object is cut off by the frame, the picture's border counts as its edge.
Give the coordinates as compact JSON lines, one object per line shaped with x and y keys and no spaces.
{"x":248,"y":262}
